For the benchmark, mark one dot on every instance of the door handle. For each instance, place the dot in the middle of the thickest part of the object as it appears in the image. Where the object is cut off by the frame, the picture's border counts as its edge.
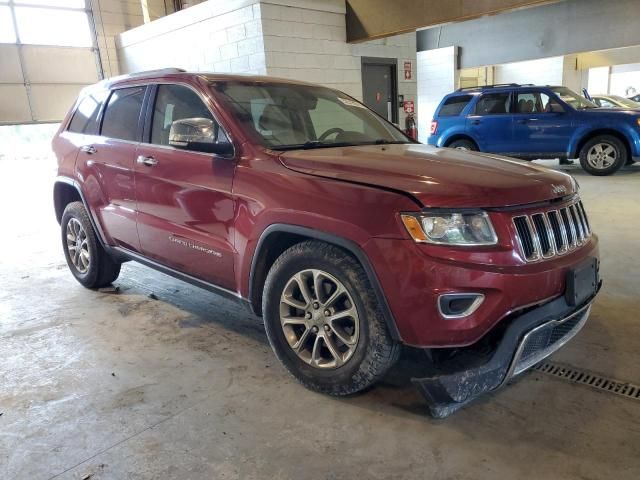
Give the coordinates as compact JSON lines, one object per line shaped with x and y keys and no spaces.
{"x":522,"y":121}
{"x":90,"y":149}
{"x":148,"y":161}
{"x":476,"y":122}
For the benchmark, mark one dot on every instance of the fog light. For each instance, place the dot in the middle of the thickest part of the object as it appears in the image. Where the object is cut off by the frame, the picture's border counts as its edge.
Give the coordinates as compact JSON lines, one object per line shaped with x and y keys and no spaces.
{"x":459,"y":305}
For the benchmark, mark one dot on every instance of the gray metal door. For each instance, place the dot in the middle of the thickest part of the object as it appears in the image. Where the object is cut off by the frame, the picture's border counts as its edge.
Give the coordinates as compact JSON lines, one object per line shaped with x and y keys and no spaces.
{"x":378,"y":89}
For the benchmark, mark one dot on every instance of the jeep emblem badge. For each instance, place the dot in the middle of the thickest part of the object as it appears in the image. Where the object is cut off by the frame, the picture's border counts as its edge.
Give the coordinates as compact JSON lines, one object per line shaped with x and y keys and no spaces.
{"x":558,"y":189}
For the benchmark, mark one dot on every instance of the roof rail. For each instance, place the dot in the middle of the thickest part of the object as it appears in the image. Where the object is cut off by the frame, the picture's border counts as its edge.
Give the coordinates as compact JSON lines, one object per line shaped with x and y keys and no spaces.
{"x":495,"y":85}
{"x":159,"y":71}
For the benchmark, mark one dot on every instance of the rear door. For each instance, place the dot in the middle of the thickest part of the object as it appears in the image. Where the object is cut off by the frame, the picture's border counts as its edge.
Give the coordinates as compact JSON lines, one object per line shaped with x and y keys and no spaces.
{"x":106,"y":164}
{"x":540,"y":124}
{"x":185,"y":206}
{"x":490,"y":122}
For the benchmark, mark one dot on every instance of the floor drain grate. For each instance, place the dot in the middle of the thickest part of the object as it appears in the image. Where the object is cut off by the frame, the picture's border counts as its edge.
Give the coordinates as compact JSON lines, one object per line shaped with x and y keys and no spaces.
{"x":590,"y":379}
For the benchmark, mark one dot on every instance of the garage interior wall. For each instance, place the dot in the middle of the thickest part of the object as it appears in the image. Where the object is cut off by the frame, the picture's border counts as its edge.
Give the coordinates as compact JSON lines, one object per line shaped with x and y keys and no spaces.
{"x":294,"y":39}
{"x":45,"y":62}
{"x":544,"y":71}
{"x":112,"y":17}
{"x":42,"y":70}
{"x":437,"y":75}
{"x":563,"y":28}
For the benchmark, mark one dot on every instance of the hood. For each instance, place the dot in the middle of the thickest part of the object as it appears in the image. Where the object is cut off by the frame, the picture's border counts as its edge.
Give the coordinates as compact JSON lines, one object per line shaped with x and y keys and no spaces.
{"x":615,"y":110}
{"x":436,"y":177}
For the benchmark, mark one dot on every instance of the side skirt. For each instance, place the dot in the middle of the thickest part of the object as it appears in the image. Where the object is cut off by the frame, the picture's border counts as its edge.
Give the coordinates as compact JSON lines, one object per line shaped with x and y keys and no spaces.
{"x":123,"y":254}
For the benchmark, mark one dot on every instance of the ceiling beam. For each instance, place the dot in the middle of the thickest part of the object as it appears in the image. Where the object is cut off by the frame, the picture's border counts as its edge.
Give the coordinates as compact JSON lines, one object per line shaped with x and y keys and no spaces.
{"x":371,"y":19}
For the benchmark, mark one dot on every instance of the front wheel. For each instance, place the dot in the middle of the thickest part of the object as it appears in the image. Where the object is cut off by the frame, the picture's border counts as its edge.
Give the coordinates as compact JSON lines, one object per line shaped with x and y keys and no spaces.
{"x":463,"y":144}
{"x":603,"y":155}
{"x":87,"y":260}
{"x":323,"y":321}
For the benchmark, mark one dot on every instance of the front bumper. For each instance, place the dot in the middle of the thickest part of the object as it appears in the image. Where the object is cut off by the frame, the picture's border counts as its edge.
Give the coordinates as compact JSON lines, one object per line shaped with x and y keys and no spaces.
{"x":527,"y":340}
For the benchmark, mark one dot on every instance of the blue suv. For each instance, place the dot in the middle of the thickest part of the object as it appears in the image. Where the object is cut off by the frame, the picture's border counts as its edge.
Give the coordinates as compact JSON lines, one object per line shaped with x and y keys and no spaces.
{"x":531,"y":122}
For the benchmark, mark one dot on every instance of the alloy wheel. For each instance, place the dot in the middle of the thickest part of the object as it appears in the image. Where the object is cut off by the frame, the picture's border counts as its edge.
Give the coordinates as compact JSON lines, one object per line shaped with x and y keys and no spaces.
{"x":319,"y":319}
{"x":601,"y":156}
{"x":78,"y":246}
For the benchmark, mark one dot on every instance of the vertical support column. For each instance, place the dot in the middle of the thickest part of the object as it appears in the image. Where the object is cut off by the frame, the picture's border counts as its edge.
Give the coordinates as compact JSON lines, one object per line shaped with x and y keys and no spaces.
{"x":437,"y":75}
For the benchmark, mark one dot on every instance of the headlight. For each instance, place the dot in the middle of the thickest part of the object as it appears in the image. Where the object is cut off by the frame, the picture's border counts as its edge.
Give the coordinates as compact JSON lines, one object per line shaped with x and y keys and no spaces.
{"x":466,"y":229}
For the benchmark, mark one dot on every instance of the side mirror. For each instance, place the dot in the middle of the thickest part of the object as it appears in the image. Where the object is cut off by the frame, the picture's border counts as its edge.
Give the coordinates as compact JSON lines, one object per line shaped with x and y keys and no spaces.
{"x":198,"y":134}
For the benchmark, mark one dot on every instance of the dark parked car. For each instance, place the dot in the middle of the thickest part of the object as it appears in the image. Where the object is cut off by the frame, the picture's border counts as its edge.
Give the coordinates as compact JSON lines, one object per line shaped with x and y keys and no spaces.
{"x":532,"y":122}
{"x":346,"y":236}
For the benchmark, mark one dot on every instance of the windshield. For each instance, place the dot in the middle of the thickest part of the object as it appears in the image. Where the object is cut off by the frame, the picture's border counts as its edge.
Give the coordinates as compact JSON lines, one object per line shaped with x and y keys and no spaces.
{"x":625,"y":102}
{"x":285,"y":116}
{"x":572,"y":98}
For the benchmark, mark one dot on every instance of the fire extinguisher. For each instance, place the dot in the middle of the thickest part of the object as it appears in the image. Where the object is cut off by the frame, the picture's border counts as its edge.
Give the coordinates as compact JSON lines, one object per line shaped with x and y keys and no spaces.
{"x":410,"y":126}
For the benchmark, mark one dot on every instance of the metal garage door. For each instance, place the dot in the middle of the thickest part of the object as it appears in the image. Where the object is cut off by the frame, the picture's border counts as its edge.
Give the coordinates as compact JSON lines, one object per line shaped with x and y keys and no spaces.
{"x":47,"y":54}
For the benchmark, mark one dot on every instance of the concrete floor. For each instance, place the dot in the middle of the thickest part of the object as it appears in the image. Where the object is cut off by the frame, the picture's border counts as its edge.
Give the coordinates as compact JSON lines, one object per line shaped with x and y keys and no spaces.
{"x":122,"y":386}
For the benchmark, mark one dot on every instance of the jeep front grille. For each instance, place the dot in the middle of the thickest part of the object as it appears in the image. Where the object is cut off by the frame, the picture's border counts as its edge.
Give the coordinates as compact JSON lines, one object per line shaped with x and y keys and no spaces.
{"x":550,"y":233}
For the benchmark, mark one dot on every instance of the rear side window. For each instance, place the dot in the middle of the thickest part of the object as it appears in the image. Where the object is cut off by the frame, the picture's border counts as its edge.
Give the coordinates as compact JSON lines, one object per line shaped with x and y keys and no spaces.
{"x":493,"y":104}
{"x":454,"y":105}
{"x":122,"y":114}
{"x":85,"y":118}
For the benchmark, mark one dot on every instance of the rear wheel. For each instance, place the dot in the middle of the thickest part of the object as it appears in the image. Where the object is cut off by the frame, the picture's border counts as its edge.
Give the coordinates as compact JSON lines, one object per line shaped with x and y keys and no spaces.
{"x":463,"y":144}
{"x":323,"y":321}
{"x":603,"y":155}
{"x":87,"y":260}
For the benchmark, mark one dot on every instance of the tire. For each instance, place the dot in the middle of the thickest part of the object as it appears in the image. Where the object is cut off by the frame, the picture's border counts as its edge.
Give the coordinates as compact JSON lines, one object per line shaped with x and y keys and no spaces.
{"x":463,"y":144}
{"x":373,"y":351}
{"x":93,"y":267}
{"x":603,"y":155}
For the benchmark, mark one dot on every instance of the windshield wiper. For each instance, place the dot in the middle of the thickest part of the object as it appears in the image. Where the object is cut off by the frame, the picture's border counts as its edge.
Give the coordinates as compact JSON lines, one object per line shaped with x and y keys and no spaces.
{"x":384,"y":141}
{"x":310,"y":145}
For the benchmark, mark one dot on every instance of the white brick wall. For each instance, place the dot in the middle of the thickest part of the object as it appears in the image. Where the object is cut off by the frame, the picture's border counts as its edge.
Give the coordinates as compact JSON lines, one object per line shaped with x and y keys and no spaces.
{"x":211,"y":36}
{"x":295,"y":39}
{"x":111,"y":18}
{"x":437,"y":76}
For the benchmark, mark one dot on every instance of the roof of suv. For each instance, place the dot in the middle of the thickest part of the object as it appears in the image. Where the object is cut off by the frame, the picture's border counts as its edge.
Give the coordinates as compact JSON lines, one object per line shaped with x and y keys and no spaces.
{"x":499,"y":86}
{"x":209,"y":76}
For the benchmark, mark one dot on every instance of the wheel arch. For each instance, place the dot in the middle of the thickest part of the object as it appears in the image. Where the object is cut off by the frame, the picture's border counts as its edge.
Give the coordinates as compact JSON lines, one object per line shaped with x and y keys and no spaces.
{"x":276,"y":238}
{"x":64,"y":193}
{"x":575,"y":152}
{"x":67,"y":190}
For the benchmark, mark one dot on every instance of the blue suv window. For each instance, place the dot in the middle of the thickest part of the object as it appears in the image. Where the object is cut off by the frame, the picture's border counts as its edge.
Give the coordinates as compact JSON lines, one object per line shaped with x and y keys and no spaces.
{"x":536,"y":102}
{"x":493,"y":104}
{"x":454,"y":105}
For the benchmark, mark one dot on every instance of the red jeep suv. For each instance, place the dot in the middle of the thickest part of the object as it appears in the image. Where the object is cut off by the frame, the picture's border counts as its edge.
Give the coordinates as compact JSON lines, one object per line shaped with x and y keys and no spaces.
{"x":346,"y":236}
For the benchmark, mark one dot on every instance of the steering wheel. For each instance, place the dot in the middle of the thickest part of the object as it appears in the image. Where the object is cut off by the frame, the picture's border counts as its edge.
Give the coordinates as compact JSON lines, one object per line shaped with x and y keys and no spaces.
{"x":331,"y":131}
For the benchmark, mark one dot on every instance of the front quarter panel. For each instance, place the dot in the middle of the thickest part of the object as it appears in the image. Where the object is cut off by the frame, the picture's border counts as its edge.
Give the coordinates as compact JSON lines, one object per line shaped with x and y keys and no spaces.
{"x":268,"y":193}
{"x":590,"y":123}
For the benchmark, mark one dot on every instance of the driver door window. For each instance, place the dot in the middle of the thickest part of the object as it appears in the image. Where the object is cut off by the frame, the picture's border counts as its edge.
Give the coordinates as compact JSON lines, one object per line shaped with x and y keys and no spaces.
{"x":327,"y":114}
{"x":179,"y":103}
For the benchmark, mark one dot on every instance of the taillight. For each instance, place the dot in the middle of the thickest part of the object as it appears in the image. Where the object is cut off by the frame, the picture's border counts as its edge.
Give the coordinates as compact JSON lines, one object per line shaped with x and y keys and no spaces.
{"x":434,"y":127}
